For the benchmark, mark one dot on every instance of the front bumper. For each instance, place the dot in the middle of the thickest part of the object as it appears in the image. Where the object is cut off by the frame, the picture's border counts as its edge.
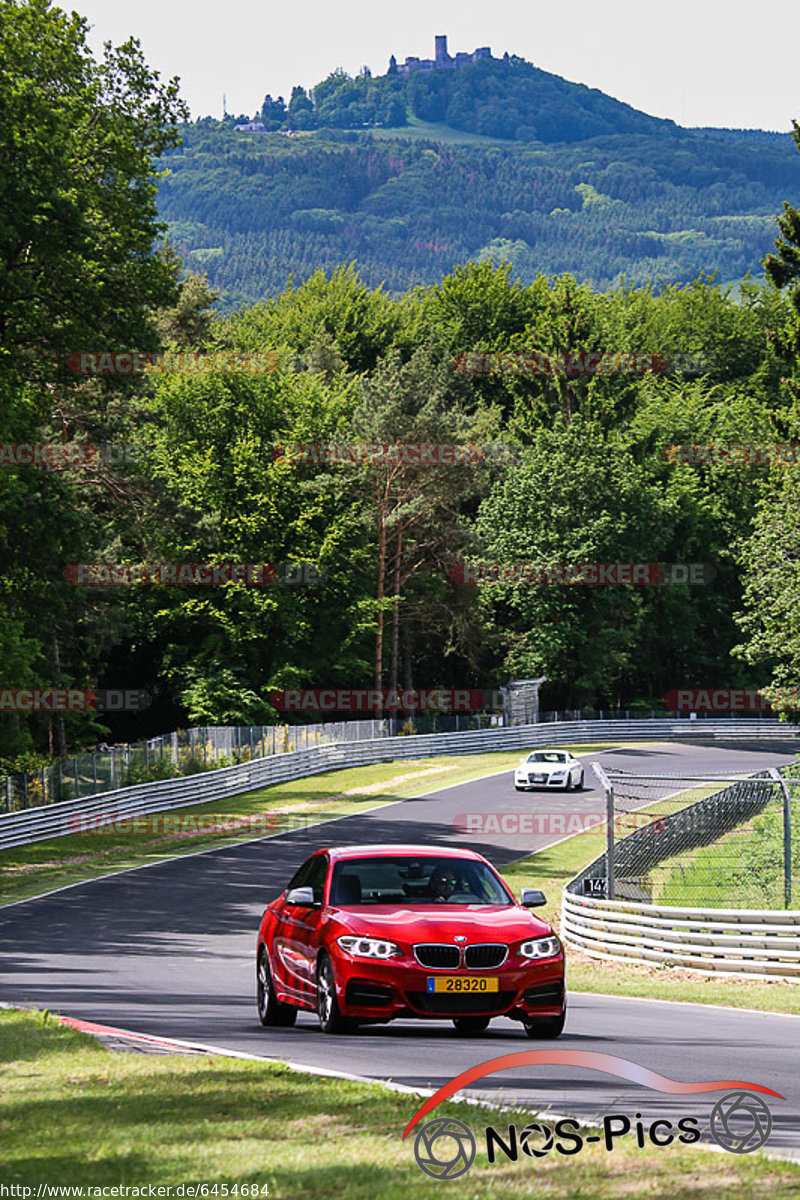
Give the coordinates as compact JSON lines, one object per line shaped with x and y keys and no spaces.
{"x":383,"y":991}
{"x":532,"y":781}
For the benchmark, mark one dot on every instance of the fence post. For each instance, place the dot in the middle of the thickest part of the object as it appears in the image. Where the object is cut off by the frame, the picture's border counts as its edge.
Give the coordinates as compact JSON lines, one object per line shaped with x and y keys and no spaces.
{"x":609,"y":791}
{"x":94,"y":771}
{"x":787,"y":836}
{"x":75,"y":773}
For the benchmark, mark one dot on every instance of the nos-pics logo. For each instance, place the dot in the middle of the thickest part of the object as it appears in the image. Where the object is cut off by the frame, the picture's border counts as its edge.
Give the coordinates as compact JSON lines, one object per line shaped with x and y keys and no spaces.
{"x":445,"y":1148}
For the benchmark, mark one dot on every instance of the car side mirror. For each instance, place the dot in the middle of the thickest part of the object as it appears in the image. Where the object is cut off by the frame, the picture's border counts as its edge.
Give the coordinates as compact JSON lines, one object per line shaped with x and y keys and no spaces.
{"x":532,"y":898}
{"x":302,"y":896}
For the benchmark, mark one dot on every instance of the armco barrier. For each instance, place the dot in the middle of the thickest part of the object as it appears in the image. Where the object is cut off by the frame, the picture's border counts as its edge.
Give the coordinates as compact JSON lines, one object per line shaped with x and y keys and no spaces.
{"x":756,"y":942}
{"x":58,"y":820}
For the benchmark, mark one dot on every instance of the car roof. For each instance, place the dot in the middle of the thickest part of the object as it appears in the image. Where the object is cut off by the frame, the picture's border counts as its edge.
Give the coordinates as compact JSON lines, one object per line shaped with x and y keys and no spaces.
{"x":380,"y":851}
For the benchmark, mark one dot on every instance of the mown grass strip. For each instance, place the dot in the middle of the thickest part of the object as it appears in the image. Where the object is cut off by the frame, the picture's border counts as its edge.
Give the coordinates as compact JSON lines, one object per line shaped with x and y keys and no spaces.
{"x":75,"y":1114}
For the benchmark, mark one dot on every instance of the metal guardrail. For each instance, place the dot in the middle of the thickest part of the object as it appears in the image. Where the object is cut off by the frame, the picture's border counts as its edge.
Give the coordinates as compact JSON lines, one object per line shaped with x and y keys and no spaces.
{"x":761,"y":943}
{"x":66,"y":817}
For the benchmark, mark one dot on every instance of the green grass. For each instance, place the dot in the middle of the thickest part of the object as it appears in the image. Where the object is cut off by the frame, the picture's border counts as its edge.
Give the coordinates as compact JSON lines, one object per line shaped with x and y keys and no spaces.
{"x":715,"y":876}
{"x":741,"y":869}
{"x":672,"y":983}
{"x":75,"y":1114}
{"x":27,"y":871}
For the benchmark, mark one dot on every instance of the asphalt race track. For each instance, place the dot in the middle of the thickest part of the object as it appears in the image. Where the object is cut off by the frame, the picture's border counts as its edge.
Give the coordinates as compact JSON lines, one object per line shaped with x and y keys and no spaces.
{"x":169,"y":950}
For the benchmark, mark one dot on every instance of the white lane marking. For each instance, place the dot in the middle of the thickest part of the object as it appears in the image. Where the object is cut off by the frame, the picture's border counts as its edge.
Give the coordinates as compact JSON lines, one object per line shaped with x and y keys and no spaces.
{"x":761,"y":1012}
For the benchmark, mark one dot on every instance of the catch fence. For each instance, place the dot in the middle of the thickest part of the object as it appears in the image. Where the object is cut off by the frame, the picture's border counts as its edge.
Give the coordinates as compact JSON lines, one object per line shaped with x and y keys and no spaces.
{"x":697,"y":871}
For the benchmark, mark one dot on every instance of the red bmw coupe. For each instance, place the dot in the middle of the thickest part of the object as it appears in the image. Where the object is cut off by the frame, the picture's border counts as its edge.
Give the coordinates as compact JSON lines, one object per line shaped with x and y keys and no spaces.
{"x":364,"y":934}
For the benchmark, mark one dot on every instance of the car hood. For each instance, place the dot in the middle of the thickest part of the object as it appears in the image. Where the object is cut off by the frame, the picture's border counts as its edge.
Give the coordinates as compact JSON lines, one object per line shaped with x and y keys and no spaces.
{"x":441,"y":922}
{"x":543,"y":768}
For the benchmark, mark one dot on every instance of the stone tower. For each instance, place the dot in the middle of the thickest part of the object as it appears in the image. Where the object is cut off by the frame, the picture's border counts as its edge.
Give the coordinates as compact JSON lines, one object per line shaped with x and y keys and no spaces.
{"x":441,"y":54}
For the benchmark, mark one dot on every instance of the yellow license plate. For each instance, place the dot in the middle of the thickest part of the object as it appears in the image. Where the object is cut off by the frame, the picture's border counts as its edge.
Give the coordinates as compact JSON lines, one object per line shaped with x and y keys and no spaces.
{"x":462,"y":983}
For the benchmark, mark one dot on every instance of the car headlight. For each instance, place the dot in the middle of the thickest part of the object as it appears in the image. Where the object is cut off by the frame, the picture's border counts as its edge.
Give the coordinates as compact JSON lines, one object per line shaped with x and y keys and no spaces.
{"x":367,"y":947}
{"x":544,"y":947}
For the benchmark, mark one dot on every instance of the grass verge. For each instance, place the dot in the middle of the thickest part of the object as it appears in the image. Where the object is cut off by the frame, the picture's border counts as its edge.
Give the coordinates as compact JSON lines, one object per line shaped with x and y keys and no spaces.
{"x":27,"y":871}
{"x":75,"y":1114}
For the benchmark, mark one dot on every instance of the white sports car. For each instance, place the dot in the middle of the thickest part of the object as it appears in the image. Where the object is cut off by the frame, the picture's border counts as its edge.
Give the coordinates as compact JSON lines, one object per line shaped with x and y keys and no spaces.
{"x":549,"y":769}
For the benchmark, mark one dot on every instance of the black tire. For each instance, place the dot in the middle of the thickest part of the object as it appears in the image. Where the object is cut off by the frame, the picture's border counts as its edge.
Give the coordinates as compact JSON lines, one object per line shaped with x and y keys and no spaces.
{"x":470,"y":1026}
{"x":517,"y":788}
{"x":568,"y":784}
{"x":270,"y":1010}
{"x":330,"y":1018}
{"x":545,"y":1027}
{"x":580,"y":783}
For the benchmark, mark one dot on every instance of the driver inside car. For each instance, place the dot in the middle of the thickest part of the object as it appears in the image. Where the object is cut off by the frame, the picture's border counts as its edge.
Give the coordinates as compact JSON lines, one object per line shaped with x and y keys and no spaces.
{"x":442,"y":884}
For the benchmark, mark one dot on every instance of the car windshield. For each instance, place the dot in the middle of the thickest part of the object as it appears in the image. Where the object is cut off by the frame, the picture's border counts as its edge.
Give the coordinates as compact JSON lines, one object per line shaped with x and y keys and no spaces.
{"x":420,"y":880}
{"x":547,"y":756}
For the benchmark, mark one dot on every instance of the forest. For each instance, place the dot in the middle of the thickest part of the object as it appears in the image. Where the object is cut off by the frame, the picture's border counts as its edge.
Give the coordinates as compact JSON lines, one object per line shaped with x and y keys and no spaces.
{"x":252,"y":210}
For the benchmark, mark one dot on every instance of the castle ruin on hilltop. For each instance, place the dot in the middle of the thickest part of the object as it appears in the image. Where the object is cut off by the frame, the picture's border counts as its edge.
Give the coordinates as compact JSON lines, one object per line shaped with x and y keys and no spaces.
{"x":442,"y":61}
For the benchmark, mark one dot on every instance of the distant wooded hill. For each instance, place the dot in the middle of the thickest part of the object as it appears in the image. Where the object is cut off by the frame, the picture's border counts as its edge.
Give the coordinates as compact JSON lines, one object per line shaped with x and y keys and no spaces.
{"x":496,"y":160}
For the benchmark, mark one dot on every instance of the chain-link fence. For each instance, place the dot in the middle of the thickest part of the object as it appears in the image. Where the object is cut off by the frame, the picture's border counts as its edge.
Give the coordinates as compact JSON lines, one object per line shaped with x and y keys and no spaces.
{"x":700,"y":842}
{"x":184,"y":752}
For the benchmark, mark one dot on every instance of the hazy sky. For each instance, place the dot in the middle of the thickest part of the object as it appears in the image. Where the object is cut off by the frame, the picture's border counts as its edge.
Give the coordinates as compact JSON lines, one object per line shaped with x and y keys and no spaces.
{"x":700,"y":62}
